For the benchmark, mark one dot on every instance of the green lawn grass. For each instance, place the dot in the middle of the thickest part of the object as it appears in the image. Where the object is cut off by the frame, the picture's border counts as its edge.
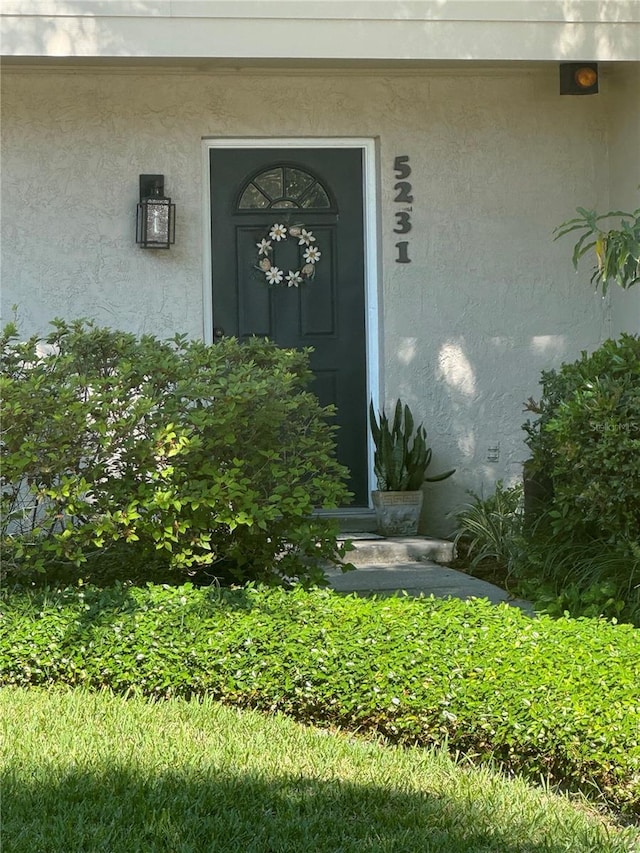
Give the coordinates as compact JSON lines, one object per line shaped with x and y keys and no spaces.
{"x":89,"y":771}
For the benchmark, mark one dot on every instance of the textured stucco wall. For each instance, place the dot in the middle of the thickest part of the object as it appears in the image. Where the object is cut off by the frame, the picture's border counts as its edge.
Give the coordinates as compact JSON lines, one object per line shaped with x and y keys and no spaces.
{"x":498,"y":160}
{"x":625,"y":182}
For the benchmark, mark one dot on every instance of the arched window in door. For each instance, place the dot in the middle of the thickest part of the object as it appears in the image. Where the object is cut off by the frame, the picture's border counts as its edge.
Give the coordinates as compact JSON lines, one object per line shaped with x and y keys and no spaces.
{"x":284,"y":187}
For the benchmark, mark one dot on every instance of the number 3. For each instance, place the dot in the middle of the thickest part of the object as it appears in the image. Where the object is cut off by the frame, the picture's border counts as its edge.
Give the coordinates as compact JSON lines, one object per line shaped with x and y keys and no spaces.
{"x":404,"y":222}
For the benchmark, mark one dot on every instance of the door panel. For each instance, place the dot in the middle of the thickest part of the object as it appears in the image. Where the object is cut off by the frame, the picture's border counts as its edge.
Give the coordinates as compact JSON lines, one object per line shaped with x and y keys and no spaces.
{"x":322,"y":190}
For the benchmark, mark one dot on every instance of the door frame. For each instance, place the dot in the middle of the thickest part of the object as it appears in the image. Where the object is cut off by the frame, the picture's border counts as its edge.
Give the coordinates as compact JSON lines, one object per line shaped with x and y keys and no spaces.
{"x":371,"y":256}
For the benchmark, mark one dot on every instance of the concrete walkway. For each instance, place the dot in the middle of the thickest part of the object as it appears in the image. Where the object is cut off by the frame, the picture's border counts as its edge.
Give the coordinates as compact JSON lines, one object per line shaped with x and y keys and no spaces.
{"x":413,"y":565}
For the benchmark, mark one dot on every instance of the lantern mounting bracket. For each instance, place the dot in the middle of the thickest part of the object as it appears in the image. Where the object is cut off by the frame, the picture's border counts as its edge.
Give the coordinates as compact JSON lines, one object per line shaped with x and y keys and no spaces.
{"x":151,"y":185}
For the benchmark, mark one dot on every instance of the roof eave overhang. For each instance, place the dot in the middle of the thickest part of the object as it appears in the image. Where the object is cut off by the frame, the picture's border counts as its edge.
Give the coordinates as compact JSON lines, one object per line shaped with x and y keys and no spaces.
{"x":323,"y":30}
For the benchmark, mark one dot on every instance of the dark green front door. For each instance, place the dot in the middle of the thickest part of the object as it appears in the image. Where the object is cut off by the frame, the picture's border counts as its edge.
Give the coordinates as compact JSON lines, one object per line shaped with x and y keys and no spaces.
{"x":319,"y":301}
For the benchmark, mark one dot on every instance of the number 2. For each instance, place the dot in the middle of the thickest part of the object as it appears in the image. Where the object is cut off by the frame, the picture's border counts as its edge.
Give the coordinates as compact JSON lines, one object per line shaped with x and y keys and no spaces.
{"x":404,"y":192}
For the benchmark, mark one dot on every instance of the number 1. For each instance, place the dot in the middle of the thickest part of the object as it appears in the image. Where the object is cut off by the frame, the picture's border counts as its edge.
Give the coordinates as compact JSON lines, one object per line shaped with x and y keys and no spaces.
{"x":403,"y":252}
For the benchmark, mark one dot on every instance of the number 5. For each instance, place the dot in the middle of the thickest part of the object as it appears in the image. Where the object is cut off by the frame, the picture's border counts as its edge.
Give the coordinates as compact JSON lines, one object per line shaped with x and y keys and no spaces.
{"x":401,"y":166}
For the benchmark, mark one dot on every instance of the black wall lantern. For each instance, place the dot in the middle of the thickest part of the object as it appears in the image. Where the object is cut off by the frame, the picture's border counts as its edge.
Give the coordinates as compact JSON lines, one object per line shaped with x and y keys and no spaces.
{"x":578,"y":78}
{"x":156,"y":215}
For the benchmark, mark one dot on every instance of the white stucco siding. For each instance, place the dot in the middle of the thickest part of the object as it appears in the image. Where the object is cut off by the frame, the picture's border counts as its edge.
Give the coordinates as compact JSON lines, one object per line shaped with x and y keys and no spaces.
{"x":500,"y":165}
{"x":74,"y":146}
{"x":625,"y":183}
{"x":498,"y":159}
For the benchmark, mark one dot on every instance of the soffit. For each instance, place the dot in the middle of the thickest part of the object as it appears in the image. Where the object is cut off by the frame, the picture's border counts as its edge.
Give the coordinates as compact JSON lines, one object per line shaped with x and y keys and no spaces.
{"x":324,"y":30}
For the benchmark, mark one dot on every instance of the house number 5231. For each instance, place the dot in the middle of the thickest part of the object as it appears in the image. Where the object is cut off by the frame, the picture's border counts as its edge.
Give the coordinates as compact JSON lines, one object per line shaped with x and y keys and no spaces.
{"x":404,"y":197}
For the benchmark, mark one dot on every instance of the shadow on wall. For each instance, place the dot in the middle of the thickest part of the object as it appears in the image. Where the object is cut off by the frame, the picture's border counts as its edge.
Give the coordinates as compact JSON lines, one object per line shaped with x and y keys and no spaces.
{"x":472,"y":407}
{"x":484,"y":399}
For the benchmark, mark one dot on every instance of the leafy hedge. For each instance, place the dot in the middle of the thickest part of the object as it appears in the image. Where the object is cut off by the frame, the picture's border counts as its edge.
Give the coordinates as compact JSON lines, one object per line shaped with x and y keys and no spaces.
{"x":209,"y":455}
{"x":549,"y":698}
{"x":586,"y":441}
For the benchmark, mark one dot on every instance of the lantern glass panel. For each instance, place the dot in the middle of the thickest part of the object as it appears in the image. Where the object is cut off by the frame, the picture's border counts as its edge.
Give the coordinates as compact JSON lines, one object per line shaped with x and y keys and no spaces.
{"x":157,"y":221}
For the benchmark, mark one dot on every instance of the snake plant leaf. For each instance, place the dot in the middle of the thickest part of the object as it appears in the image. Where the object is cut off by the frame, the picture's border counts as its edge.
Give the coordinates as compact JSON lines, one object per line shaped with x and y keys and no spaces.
{"x":397,"y":419}
{"x":438,"y":477}
{"x":401,"y":455}
{"x":375,"y":429}
{"x":408,"y":421}
{"x":396,"y":472}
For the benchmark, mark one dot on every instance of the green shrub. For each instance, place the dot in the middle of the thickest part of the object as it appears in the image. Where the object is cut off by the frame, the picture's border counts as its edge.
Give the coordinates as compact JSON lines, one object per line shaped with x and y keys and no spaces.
{"x":587,"y":440}
{"x":559,"y":577}
{"x":553,"y":699}
{"x":599,"y":600}
{"x":213,"y":456}
{"x":580,"y":579}
{"x":491,"y":528}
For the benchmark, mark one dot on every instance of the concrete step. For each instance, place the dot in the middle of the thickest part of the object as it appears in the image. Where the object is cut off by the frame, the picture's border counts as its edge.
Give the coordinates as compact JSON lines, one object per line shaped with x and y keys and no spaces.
{"x":352,"y":520}
{"x":398,"y":550}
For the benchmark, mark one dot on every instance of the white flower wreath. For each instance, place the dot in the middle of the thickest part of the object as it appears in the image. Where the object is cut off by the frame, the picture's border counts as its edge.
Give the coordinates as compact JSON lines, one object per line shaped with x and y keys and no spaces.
{"x":311,"y":255}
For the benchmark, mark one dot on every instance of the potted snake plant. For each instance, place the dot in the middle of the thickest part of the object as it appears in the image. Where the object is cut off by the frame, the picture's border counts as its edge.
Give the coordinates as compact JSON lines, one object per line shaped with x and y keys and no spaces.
{"x":400,"y":464}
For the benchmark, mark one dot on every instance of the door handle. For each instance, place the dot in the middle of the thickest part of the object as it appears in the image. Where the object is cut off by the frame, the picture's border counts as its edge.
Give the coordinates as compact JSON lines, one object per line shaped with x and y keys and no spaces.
{"x":218,"y":333}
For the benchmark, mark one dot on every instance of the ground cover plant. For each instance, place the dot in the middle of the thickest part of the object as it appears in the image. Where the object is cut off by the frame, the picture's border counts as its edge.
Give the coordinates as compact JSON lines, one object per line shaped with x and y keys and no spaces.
{"x":91,"y":771}
{"x":177,"y":454}
{"x":556,"y":700}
